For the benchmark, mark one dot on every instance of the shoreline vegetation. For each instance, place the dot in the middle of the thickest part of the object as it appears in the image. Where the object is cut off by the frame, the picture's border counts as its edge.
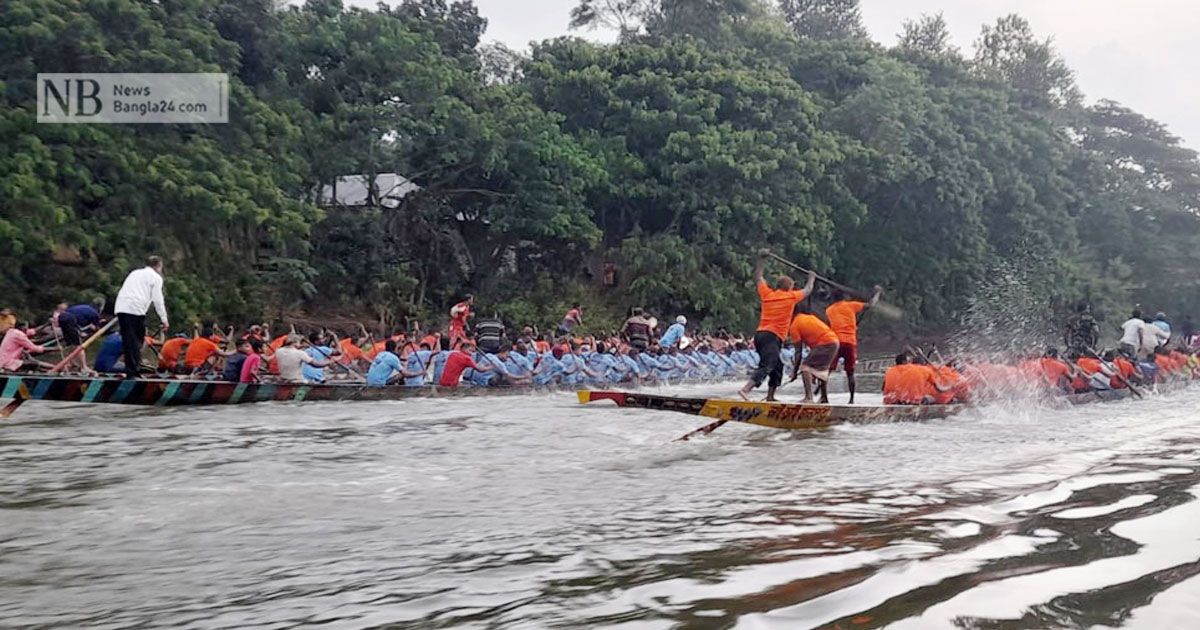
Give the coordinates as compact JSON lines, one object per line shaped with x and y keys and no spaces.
{"x":974,"y":185}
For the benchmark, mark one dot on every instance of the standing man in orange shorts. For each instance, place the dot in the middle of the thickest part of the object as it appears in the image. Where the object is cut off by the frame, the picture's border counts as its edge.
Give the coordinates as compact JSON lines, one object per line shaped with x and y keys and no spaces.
{"x":777,"y":306}
{"x":458,"y":319}
{"x":808,"y":330}
{"x":843,"y":319}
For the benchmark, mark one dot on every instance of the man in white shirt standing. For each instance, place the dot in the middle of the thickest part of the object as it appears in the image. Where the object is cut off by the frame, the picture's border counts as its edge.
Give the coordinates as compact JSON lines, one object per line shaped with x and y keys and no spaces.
{"x":141,"y":288}
{"x":1131,"y":335}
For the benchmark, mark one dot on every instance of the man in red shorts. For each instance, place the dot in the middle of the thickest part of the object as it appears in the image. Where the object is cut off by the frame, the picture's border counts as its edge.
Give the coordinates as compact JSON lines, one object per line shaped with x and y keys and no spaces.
{"x":843,"y":319}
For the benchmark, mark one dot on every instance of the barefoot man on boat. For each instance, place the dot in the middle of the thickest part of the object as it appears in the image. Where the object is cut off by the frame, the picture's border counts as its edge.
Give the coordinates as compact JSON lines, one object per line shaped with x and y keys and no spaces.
{"x":777,"y":306}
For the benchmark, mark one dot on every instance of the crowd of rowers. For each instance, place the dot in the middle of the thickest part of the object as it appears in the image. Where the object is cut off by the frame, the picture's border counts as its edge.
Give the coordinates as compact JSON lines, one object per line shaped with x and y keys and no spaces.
{"x":486,"y":355}
{"x":916,"y":380}
{"x":1145,"y":355}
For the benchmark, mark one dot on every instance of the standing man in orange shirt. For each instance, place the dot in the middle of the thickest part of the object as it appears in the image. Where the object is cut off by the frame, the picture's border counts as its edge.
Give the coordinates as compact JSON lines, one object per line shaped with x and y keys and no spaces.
{"x":843,"y":319}
{"x":777,"y":306}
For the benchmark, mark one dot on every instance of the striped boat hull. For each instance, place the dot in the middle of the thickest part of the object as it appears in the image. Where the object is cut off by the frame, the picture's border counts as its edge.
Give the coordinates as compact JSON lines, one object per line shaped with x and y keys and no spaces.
{"x":172,"y":393}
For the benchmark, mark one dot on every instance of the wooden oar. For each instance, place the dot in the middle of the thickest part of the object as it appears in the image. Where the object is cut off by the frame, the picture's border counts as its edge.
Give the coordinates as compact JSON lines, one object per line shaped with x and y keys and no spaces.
{"x":83,"y":346}
{"x":883,"y":308}
{"x":1117,"y":373}
{"x":704,"y":430}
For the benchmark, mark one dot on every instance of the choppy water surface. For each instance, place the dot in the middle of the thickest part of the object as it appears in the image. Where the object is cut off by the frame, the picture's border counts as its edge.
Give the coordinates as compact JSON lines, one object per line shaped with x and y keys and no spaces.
{"x":535,"y":512}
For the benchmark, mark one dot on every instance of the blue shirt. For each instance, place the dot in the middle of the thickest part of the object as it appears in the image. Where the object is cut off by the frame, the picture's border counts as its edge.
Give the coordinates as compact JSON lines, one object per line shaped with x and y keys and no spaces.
{"x":672,"y":336}
{"x":1163,"y":326}
{"x":110,"y":353}
{"x":485,"y":379}
{"x":518,"y":364}
{"x":84,"y":315}
{"x":439,"y":364}
{"x":385,"y":364}
{"x":547,"y":370}
{"x":313,"y":373}
{"x":605,"y":367}
{"x":417,"y":362}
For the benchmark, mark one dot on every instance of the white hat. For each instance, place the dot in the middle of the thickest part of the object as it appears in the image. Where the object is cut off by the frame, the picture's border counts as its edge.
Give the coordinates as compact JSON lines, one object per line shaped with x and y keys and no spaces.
{"x":681,"y":320}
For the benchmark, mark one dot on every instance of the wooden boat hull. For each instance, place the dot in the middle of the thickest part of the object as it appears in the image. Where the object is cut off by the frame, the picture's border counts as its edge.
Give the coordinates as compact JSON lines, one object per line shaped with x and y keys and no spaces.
{"x":170,"y":392}
{"x":776,"y":415}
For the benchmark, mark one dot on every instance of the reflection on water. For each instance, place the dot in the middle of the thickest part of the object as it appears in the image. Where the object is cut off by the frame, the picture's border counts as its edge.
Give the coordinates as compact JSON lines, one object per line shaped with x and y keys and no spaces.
{"x":537,"y":513}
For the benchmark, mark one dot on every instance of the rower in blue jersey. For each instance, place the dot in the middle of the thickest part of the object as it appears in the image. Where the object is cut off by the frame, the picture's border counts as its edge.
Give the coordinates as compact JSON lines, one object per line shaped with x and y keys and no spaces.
{"x":668,"y":368}
{"x":439,"y":359}
{"x":603,"y":365}
{"x":486,"y":378}
{"x":649,"y":361}
{"x":636,"y":369}
{"x":518,"y":363}
{"x":417,"y":366}
{"x":549,"y":368}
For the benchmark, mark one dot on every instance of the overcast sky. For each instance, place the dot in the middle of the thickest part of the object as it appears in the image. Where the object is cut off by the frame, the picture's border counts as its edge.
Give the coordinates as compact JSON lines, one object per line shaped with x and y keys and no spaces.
{"x":1143,"y":53}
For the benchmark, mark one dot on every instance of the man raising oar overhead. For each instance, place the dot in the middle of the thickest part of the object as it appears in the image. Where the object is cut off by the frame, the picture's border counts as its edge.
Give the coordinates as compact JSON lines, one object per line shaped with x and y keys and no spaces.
{"x":777,"y":306}
{"x":843,"y":319}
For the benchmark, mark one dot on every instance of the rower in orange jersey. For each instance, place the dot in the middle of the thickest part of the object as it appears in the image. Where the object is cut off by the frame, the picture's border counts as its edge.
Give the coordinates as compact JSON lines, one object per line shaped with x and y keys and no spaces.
{"x":911,"y":384}
{"x":843,"y":319}
{"x":1181,"y":361}
{"x":1096,"y":374}
{"x":1126,"y":371}
{"x":172,"y":350}
{"x":956,"y":387}
{"x":822,"y":345}
{"x":1055,"y":373}
{"x":1166,"y":366}
{"x":351,"y":352}
{"x":459,"y":314}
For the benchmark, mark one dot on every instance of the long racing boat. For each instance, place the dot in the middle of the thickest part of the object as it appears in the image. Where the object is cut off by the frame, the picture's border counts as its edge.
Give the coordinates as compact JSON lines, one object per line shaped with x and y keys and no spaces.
{"x":180,"y":392}
{"x":798,"y":416}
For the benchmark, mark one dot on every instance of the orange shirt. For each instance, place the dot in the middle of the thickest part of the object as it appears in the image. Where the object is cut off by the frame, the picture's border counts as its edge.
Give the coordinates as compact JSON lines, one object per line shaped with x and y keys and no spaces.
{"x":810,"y":330}
{"x":1164,"y":363}
{"x":1179,"y":358}
{"x":777,"y":307}
{"x":1054,"y":371}
{"x":199,"y":351}
{"x":350,"y":352}
{"x":276,"y":344}
{"x":168,"y":357}
{"x":907,"y":384}
{"x":542,"y":346}
{"x":843,"y":319}
{"x":1089,"y":365}
{"x":949,"y":378}
{"x":1125,"y":368}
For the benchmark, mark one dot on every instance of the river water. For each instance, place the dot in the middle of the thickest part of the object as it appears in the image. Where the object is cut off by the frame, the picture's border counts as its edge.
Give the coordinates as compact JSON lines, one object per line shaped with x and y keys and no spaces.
{"x":534,"y":512}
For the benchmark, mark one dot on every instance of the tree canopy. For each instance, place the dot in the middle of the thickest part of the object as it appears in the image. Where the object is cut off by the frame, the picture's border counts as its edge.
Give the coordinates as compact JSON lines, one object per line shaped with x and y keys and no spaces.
{"x":645,"y":172}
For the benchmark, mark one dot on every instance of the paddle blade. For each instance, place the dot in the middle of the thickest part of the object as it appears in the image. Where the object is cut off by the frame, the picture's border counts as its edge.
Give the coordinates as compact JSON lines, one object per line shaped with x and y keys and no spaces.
{"x":585,"y":396}
{"x":889,"y":311}
{"x":11,"y":407}
{"x":704,"y":430}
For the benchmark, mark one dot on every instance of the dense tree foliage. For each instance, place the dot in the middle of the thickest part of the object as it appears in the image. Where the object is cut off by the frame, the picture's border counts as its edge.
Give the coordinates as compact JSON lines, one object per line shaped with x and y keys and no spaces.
{"x":643,"y":172}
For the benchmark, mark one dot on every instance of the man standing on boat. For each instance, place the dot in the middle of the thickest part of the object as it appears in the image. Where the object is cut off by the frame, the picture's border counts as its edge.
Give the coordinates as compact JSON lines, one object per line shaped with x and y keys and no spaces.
{"x":1083,"y":333}
{"x":675,"y":333}
{"x":777,"y":306}
{"x":843,"y":319}
{"x":141,"y":288}
{"x":459,"y":315}
{"x":637,"y":330}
